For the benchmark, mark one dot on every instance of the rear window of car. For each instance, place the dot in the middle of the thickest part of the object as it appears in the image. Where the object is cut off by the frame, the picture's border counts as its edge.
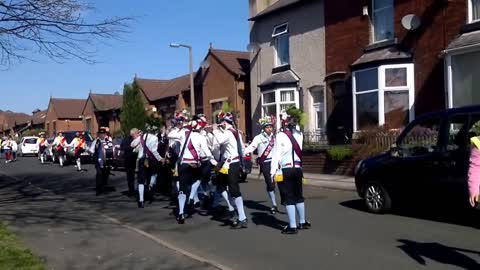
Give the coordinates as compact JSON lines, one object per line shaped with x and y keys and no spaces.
{"x":30,"y":141}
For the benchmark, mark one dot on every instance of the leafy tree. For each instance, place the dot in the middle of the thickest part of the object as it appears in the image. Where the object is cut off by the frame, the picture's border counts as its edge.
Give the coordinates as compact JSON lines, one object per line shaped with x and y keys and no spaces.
{"x":133,"y":111}
{"x":58,"y":29}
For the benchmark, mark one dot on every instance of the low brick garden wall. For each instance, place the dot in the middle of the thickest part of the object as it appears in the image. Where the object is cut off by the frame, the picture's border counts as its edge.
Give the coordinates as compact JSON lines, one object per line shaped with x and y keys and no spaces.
{"x":320,"y":162}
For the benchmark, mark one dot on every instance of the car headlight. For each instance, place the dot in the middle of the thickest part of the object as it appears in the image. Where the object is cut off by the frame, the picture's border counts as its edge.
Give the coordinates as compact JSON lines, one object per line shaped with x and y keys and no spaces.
{"x":358,"y":167}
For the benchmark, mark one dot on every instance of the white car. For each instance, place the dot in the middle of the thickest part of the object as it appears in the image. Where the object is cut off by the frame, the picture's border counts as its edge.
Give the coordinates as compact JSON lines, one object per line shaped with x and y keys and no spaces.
{"x":29,"y":146}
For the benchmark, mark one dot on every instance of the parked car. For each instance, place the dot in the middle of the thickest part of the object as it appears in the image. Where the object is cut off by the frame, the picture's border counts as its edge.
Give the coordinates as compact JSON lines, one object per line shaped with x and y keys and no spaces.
{"x":427,"y":164}
{"x":28,"y":146}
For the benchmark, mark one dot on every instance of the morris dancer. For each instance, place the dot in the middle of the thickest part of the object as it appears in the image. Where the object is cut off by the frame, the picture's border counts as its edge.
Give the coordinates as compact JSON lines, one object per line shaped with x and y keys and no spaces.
{"x":42,"y":147}
{"x":102,"y":151}
{"x":59,"y":144}
{"x":78,"y":144}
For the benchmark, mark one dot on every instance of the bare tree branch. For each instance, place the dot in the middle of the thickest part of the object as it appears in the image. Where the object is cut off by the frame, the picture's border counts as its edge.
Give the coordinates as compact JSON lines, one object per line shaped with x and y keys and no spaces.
{"x":57,"y":29}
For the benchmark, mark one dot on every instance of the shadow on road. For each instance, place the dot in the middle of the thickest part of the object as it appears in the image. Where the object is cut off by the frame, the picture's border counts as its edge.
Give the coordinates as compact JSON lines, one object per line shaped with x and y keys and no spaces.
{"x":268,"y":220}
{"x":440,"y":253}
{"x":444,"y":214}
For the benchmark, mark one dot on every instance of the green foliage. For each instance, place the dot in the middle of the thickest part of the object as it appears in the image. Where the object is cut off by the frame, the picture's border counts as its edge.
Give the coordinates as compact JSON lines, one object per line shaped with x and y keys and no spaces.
{"x":154,"y":123}
{"x":133,"y":111}
{"x":32,"y":132}
{"x":476,"y":128}
{"x":314,"y":147}
{"x":13,"y":255}
{"x":340,"y":152}
{"x":298,"y":115}
{"x":227,"y":107}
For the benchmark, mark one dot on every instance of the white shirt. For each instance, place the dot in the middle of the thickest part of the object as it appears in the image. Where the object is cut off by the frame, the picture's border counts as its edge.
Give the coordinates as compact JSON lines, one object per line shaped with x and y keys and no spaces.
{"x":227,"y":140}
{"x":282,"y":156}
{"x":151,"y":142}
{"x":260,"y":142}
{"x":57,"y":140}
{"x":45,"y":143}
{"x":199,"y":143}
{"x":14,"y":146}
{"x":6,"y":144}
{"x":173,"y":136}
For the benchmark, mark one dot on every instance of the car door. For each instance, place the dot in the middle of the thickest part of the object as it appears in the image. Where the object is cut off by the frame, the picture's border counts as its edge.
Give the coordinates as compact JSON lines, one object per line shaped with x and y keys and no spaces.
{"x":454,"y":182}
{"x":419,"y":148}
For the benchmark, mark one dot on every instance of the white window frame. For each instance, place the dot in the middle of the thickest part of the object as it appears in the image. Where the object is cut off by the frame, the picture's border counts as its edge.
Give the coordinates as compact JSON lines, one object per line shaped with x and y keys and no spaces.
{"x":381,"y":89}
{"x":275,"y":37}
{"x":449,"y":70}
{"x":372,"y":24}
{"x":278,"y":103}
{"x":470,"y":13}
{"x":320,"y":106}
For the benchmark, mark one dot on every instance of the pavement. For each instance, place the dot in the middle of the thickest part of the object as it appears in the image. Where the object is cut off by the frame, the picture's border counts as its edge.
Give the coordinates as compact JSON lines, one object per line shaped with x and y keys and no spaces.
{"x":56,"y":213}
{"x":340,"y":182}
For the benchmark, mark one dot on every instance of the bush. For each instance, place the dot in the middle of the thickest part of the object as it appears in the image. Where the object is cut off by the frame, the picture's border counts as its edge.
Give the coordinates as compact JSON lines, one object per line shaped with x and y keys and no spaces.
{"x":340,"y":152}
{"x":314,"y":147}
{"x":32,"y":132}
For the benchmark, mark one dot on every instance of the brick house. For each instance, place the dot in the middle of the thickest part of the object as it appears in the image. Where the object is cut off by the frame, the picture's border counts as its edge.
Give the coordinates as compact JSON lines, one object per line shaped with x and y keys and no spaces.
{"x":225,"y":78}
{"x":102,"y":110}
{"x":12,"y":123}
{"x":64,"y":115}
{"x":287,"y":62}
{"x":38,"y":119}
{"x":166,"y":96}
{"x":378,"y":71}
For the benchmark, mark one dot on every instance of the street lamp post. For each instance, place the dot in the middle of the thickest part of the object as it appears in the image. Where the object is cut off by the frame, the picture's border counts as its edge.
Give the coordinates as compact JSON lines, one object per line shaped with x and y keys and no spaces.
{"x":192,"y":90}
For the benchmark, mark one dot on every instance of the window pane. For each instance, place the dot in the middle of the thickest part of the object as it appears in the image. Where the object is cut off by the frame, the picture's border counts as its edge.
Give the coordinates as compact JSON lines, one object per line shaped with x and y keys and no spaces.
{"x":466,"y":79}
{"x":269,"y":98}
{"x":421,"y":139}
{"x":366,"y":80}
{"x":396,"y":109}
{"x":319,"y":117}
{"x":318,"y":96}
{"x":378,"y":4}
{"x":383,"y":23}
{"x":270,"y":110}
{"x":475,"y":10}
{"x":282,"y":48}
{"x":395,"y":77}
{"x":367,"y":110}
{"x":286,"y":96}
{"x":281,"y":29}
{"x":286,"y":106}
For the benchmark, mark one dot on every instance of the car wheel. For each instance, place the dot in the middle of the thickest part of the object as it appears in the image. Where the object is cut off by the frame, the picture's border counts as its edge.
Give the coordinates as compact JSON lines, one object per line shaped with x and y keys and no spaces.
{"x":377,"y":198}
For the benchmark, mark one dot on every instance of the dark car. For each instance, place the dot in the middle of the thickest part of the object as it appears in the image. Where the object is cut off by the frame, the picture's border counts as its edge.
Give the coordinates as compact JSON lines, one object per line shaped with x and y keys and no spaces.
{"x":427,"y":164}
{"x":69,"y":136}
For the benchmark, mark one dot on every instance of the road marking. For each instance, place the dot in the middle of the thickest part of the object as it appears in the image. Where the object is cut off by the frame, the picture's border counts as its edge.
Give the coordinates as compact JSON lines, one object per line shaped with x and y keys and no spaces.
{"x":155,"y":239}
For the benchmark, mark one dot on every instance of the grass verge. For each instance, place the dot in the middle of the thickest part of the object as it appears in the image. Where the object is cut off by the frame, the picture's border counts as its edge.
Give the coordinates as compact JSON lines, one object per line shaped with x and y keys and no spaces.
{"x":14,"y":255}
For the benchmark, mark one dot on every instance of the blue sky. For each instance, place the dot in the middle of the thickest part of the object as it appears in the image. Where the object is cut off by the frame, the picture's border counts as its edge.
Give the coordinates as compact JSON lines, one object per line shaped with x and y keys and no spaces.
{"x":145,"y":51}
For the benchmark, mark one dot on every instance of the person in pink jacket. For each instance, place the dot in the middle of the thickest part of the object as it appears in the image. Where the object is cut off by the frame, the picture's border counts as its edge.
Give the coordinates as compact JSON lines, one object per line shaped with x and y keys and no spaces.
{"x":474,"y":172}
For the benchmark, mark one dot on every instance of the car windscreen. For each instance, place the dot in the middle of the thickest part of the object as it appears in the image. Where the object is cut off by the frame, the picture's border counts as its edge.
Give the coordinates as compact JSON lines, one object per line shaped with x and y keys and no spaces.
{"x":30,"y":141}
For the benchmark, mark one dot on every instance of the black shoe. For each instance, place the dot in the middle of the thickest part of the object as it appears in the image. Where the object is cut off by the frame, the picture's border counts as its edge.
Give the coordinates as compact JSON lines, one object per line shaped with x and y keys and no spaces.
{"x":181,"y":219}
{"x":288,"y":230}
{"x":240,"y":224}
{"x":305,"y":226}
{"x":141,"y":205}
{"x":273,"y":210}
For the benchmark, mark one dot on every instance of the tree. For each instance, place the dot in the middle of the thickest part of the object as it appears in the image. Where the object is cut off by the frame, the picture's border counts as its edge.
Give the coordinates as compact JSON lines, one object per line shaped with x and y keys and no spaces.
{"x":133,"y":111}
{"x":58,"y":29}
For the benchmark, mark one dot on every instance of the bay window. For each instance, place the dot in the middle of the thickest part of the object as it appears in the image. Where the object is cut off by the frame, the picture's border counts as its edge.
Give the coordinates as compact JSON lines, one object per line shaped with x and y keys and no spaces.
{"x":383,"y":95}
{"x":382,"y":20}
{"x":274,"y":101}
{"x":464,"y":79}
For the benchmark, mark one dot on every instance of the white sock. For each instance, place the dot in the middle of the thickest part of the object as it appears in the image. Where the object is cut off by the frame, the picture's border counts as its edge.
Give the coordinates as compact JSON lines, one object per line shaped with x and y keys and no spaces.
{"x":153,"y":180}
{"x":301,"y":212}
{"x":181,"y":202}
{"x":141,"y":189}
{"x":177,"y":184}
{"x":79,"y":165}
{"x":41,"y":158}
{"x":240,"y":209}
{"x":272,"y":197}
{"x":194,"y":189}
{"x":291,"y":216}
{"x":195,"y":198}
{"x":225,"y":196}
{"x":61,"y":161}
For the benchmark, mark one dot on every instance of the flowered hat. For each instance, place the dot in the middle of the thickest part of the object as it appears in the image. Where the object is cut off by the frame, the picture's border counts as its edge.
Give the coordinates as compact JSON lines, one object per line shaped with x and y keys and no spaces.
{"x":182,"y":116}
{"x":266,"y":121}
{"x":201,"y":121}
{"x":225,"y":116}
{"x":292,"y":116}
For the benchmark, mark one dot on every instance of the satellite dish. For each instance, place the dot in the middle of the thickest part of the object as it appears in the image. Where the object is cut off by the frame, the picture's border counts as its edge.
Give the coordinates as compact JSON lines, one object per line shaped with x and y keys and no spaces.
{"x":205,"y":64}
{"x":252,"y":47}
{"x":411,"y":22}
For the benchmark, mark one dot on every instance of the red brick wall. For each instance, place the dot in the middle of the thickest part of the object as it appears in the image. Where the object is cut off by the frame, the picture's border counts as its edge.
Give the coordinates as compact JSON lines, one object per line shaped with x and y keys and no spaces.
{"x":348,"y":33}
